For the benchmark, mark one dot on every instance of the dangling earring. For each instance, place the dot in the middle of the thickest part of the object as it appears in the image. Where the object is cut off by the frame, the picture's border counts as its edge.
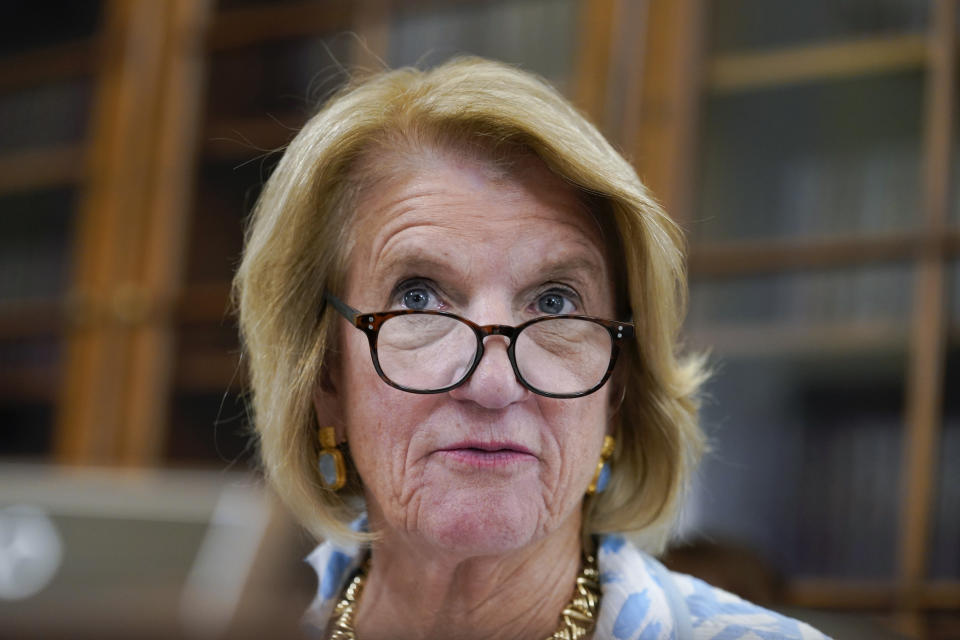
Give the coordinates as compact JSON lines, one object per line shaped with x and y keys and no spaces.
{"x":601,"y":477}
{"x":333,"y":472}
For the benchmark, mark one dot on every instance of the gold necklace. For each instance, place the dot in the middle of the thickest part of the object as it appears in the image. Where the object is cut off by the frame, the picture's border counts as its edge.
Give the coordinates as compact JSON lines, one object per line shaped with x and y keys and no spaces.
{"x":576,"y":620}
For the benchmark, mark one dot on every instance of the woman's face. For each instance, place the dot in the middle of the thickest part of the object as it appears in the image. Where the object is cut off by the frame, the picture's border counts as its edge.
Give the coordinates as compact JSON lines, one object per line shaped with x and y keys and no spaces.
{"x":488,"y":467}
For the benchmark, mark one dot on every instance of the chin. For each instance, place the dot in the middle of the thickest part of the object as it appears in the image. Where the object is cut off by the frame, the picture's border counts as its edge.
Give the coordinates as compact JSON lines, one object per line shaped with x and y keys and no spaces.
{"x":480,"y":523}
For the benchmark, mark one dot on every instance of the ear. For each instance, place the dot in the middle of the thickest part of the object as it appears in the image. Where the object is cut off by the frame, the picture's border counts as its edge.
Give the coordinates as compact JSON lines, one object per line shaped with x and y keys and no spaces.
{"x":327,"y":406}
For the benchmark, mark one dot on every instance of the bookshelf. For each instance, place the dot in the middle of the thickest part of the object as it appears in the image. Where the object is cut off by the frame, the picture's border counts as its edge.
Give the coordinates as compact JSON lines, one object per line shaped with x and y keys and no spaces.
{"x":46,"y":94}
{"x":809,"y":149}
{"x":876,"y":55}
{"x":823,"y":261}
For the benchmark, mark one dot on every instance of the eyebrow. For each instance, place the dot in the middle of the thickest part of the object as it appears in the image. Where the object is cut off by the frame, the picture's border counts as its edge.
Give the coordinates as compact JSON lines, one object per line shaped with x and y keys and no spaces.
{"x":590,"y":270}
{"x":417,"y":261}
{"x":574,"y":264}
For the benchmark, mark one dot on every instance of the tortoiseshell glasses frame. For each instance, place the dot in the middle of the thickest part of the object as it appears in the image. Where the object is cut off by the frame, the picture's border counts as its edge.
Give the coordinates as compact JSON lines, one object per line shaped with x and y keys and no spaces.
{"x":370,"y":324}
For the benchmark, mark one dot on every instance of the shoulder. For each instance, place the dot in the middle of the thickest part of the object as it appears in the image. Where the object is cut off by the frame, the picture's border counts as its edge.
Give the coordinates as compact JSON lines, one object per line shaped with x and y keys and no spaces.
{"x":334,"y":564}
{"x":675,"y":605}
{"x":718,"y":613}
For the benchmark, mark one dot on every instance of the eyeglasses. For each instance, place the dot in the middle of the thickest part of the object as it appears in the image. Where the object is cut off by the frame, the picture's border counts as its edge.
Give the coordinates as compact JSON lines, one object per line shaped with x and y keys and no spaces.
{"x":565,"y":356}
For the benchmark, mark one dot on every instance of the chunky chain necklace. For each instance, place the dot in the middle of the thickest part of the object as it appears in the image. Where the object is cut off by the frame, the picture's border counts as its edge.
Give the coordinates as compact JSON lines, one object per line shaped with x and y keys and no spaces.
{"x":576,"y":620}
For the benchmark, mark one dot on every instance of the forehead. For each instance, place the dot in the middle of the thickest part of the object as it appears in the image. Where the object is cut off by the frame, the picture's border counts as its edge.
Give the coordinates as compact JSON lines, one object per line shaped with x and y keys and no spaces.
{"x":462,"y":199}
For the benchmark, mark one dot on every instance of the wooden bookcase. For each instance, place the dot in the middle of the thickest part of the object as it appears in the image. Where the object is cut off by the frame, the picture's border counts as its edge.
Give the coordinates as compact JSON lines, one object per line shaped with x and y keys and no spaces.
{"x":168,"y":119}
{"x":47,"y":83}
{"x":814,"y":164}
{"x":146,"y":131}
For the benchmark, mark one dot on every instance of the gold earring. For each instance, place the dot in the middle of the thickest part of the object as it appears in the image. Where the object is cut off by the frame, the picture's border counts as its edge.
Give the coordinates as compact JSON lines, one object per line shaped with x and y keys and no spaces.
{"x":601,"y":477}
{"x":333,"y":472}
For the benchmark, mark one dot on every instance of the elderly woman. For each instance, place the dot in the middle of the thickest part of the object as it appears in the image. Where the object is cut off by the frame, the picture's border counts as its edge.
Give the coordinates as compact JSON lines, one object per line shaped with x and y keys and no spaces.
{"x":460,"y":308}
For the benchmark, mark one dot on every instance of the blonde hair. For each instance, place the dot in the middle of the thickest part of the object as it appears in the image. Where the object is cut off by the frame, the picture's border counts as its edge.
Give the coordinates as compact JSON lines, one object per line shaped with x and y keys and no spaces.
{"x":299,"y":240}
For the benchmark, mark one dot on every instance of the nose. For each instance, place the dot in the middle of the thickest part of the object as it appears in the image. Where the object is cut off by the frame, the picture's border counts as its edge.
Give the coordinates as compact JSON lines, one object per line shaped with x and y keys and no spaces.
{"x":493,"y":384}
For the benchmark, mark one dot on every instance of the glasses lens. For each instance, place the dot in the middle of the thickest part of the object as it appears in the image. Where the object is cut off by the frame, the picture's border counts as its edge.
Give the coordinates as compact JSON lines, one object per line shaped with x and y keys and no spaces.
{"x":425,"y":352}
{"x":563,"y":355}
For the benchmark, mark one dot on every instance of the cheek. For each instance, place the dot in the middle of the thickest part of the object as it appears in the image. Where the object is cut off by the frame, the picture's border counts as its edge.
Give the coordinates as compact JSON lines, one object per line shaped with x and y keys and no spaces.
{"x":382,"y":427}
{"x":372,"y":419}
{"x":361,"y":388}
{"x":376,"y":439}
{"x":365,"y":401}
{"x":579,"y":429}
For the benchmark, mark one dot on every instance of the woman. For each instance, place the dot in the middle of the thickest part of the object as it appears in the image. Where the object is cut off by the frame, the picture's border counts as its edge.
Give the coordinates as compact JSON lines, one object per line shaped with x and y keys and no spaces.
{"x":460,"y":307}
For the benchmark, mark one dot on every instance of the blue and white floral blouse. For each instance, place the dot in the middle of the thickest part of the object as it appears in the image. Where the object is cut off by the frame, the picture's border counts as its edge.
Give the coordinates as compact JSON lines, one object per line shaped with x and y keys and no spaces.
{"x":641,"y":600}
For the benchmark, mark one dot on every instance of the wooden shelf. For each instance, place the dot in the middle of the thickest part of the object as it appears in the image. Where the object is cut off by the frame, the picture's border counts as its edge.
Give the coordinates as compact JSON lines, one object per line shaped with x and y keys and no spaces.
{"x":214,"y":371}
{"x":768,"y":340}
{"x":739,"y":258}
{"x":822,"y":593}
{"x":31,"y":318}
{"x":942,"y":594}
{"x":825,"y":593}
{"x":756,"y":340}
{"x":245,"y":138}
{"x":30,"y":383}
{"x":823,"y":61}
{"x":46,"y":65}
{"x":41,"y":168}
{"x":252,"y":25}
{"x":204,"y":303}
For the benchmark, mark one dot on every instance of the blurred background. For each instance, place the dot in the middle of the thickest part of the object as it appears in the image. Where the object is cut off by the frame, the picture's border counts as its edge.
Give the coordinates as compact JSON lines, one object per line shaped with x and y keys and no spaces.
{"x":808,"y":148}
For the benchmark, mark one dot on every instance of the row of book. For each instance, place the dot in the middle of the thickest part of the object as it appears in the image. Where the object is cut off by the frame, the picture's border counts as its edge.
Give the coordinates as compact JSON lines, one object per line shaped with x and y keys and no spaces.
{"x":863,"y":294}
{"x":45,"y":115}
{"x":813,"y":160}
{"x":539,"y":35}
{"x":35,"y":241}
{"x":750,"y":24}
{"x":805,"y":469}
{"x":944,"y":558}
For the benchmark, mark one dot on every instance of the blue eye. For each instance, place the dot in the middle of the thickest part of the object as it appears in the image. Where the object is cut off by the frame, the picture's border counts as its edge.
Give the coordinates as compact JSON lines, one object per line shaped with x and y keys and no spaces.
{"x":416,"y":299}
{"x":416,"y":294}
{"x":554,"y":303}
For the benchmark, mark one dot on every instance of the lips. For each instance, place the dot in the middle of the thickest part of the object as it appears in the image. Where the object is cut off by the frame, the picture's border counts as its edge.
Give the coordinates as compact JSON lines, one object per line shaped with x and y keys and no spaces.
{"x":487,"y":455}
{"x":489,"y":447}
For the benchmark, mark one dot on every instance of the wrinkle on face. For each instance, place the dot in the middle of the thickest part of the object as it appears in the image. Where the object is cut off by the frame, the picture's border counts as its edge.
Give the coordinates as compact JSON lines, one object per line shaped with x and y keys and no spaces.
{"x":407,"y":476}
{"x":491,"y":244}
{"x":415,"y":220}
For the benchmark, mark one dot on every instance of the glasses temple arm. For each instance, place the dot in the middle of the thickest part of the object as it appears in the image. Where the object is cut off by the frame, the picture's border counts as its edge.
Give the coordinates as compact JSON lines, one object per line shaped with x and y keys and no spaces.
{"x":342,"y":307}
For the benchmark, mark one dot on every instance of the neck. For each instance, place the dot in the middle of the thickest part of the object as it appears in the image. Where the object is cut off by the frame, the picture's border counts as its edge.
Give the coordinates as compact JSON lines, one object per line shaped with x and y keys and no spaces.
{"x":415,"y":592}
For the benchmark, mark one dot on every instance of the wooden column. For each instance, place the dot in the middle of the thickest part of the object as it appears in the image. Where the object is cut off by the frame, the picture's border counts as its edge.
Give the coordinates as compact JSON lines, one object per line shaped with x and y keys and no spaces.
{"x":128,"y":231}
{"x":89,"y":421}
{"x":161,"y":260}
{"x":628,"y":61}
{"x":638,"y":78}
{"x":663,"y":134}
{"x":592,"y":70}
{"x":924,"y":399}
